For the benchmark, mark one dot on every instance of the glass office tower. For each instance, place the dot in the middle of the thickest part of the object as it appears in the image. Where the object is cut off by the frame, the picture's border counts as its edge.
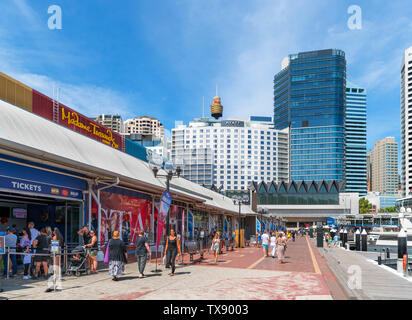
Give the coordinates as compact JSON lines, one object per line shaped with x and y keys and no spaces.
{"x":309,"y":96}
{"x":355,"y":130}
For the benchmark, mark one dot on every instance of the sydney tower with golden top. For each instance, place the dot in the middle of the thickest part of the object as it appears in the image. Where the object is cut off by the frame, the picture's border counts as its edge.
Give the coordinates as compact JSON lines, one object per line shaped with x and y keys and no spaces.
{"x":216,"y":109}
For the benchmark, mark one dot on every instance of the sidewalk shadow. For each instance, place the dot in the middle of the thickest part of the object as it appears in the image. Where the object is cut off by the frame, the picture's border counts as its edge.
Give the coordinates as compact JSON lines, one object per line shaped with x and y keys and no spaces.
{"x":185,"y":272}
{"x":152,"y":275}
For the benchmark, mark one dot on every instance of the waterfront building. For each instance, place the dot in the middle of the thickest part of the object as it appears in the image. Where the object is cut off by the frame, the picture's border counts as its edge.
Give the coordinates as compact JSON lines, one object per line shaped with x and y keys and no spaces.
{"x":113,"y":122}
{"x":384,"y":163}
{"x":309,"y":97}
{"x":355,"y":135}
{"x":300,"y":203}
{"x":231,"y":153}
{"x":406,"y":127}
{"x":144,"y":125}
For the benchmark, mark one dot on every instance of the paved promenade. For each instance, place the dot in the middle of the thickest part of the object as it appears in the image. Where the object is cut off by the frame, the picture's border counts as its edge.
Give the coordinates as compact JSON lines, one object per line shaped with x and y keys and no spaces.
{"x":376,"y":282}
{"x":240,"y":274}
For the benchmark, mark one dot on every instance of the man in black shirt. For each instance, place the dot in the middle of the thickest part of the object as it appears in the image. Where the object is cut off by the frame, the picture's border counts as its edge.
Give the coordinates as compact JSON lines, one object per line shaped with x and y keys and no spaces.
{"x":142,"y":251}
{"x":42,"y":246}
{"x":84,"y":232}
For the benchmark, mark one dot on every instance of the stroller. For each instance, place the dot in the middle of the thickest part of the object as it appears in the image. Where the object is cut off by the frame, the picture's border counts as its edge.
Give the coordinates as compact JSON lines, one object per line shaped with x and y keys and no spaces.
{"x":78,"y":262}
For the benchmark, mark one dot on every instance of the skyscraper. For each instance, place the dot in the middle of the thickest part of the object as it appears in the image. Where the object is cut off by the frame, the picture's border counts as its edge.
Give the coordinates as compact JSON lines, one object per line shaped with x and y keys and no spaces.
{"x":406,"y":128}
{"x":355,"y":133}
{"x":384,"y":162}
{"x":309,"y":96}
{"x":232,"y":153}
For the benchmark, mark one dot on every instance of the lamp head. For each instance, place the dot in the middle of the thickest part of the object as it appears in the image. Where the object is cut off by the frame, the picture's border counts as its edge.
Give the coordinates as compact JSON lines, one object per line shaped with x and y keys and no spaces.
{"x":155,"y":171}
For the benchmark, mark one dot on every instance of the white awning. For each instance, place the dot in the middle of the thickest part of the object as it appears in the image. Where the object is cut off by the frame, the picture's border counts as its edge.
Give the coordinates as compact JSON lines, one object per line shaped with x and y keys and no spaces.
{"x":28,"y":135}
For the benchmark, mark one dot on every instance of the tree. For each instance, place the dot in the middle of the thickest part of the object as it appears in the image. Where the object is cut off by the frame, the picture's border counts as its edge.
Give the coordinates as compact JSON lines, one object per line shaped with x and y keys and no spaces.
{"x":364,"y":206}
{"x":391,"y":209}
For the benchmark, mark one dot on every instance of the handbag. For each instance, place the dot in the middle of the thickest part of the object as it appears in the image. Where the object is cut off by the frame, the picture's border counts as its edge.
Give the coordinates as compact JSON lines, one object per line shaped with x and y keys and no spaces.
{"x":106,"y":256}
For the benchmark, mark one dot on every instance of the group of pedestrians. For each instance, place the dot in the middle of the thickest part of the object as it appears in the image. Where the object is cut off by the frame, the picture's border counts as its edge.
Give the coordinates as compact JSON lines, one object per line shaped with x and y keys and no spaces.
{"x":117,"y":253}
{"x":278,"y":242}
{"x":35,"y":248}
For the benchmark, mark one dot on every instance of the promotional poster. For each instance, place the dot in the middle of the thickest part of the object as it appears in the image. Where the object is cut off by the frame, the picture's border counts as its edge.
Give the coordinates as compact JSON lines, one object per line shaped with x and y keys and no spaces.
{"x":123,"y":213}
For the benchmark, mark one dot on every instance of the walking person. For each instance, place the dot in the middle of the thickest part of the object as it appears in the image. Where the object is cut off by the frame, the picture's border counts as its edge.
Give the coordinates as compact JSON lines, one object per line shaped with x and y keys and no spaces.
{"x":25,"y":244}
{"x":117,"y":256}
{"x":172,"y":248}
{"x":57,"y":236}
{"x":280,"y":245}
{"x":92,"y":256}
{"x":273,"y":244}
{"x":142,"y":252}
{"x":215,"y":246}
{"x":265,"y":243}
{"x":42,"y":246}
{"x":10,"y":244}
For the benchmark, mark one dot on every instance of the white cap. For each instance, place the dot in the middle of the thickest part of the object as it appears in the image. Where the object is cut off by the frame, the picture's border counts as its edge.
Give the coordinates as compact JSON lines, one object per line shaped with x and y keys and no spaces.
{"x":364,"y":231}
{"x":357,"y":231}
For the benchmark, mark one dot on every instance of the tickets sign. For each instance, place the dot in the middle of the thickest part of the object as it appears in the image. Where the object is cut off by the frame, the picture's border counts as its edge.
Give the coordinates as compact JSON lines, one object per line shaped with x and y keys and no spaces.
{"x":39,"y":188}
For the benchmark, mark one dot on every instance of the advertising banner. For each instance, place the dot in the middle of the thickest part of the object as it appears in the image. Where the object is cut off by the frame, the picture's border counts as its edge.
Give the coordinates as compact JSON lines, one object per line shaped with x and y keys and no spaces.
{"x":257,"y":226}
{"x":183,"y":229}
{"x":190,"y":224}
{"x":125,"y":214}
{"x":225,"y":226}
{"x":165,"y":202}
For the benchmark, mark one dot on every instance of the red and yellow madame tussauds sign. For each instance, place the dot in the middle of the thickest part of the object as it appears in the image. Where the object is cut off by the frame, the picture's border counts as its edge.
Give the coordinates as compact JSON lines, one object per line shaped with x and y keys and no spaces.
{"x":72,"y":118}
{"x":43,"y":106}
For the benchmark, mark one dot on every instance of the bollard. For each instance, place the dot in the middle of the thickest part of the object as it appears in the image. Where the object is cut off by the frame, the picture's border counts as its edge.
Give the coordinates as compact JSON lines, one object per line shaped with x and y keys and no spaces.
{"x":357,"y":240}
{"x":8,"y":262}
{"x":319,"y":236}
{"x":364,"y":240}
{"x":345,"y":237}
{"x":388,"y":253}
{"x":311,"y":233}
{"x":341,"y":237}
{"x":402,"y":249}
{"x":379,"y":260}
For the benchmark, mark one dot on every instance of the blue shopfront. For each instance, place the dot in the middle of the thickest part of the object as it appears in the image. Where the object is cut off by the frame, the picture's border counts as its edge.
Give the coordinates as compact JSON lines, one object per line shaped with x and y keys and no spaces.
{"x":46,"y":195}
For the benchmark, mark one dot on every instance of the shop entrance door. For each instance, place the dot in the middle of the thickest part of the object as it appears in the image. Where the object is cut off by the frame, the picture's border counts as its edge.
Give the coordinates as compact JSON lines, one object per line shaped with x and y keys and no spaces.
{"x":70,"y":212}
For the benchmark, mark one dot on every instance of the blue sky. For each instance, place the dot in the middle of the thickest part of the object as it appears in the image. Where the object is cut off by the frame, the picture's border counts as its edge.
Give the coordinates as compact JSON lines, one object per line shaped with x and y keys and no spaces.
{"x":160,"y":57}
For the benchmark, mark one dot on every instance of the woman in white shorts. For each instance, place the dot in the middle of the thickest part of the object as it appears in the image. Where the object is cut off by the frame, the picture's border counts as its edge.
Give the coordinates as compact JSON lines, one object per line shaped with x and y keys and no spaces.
{"x":273,"y":244}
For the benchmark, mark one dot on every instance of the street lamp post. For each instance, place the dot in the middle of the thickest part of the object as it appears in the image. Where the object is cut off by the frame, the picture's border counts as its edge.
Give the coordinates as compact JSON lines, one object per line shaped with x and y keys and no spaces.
{"x":170,"y":174}
{"x":239,"y":202}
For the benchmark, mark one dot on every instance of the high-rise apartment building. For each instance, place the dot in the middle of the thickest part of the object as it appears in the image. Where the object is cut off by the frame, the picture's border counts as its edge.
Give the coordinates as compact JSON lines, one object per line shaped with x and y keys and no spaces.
{"x":355,"y":133}
{"x":384,"y":162}
{"x":406,"y":123}
{"x":113,"y":122}
{"x":232,"y":153}
{"x":144,"y":125}
{"x":309,"y":96}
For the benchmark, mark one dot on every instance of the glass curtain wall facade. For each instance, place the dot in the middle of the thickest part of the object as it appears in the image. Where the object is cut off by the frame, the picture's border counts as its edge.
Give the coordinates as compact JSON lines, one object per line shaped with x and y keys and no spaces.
{"x":309,"y":96}
{"x":355,"y":130}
